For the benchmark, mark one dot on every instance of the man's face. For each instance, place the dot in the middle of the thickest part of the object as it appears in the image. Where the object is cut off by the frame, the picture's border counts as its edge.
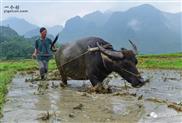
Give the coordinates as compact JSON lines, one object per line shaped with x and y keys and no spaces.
{"x":43,"y":33}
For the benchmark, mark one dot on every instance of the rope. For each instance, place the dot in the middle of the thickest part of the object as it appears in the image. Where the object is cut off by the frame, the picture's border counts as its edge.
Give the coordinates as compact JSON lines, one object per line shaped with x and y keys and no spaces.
{"x":75,"y":58}
{"x":89,"y":50}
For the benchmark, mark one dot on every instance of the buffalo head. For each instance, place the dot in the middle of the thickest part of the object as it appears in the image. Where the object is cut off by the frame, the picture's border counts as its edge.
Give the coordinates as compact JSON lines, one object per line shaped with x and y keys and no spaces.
{"x":123,"y":62}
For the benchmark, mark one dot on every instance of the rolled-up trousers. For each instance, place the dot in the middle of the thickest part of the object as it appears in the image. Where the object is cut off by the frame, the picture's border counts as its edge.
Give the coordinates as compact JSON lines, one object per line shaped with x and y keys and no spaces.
{"x":43,"y":67}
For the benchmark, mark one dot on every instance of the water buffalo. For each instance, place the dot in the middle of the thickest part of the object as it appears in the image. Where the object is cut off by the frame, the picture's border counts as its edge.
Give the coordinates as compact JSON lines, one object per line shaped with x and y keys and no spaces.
{"x":78,"y":61}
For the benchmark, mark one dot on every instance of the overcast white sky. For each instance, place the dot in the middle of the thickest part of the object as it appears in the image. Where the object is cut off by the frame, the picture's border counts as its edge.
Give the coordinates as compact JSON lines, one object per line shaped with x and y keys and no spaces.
{"x":48,"y":13}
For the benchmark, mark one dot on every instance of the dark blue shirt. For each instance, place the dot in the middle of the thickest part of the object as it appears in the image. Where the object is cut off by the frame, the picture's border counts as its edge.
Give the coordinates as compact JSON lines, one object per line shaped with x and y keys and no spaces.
{"x":43,"y":47}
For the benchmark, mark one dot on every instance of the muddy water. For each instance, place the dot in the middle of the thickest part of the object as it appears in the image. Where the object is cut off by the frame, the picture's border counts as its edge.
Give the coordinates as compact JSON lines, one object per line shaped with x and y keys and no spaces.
{"x":27,"y":102}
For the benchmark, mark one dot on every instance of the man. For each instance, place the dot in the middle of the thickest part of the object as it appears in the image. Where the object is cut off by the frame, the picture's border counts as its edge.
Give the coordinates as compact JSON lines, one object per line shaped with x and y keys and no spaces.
{"x":42,"y":52}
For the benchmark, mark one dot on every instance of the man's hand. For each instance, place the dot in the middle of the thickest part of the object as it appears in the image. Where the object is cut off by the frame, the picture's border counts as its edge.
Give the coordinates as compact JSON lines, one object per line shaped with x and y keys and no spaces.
{"x":34,"y":55}
{"x":55,"y":48}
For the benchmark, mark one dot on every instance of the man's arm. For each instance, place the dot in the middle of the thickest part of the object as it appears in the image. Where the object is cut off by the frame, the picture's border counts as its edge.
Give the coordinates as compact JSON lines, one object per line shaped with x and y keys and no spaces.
{"x":36,"y":50}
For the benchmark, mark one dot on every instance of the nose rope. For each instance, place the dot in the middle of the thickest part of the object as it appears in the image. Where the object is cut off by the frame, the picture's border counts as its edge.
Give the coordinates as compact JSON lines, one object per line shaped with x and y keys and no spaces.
{"x":136,"y":75}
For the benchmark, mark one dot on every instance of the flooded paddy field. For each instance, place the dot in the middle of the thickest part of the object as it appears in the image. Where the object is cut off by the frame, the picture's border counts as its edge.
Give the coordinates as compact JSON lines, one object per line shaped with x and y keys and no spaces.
{"x":160,"y":100}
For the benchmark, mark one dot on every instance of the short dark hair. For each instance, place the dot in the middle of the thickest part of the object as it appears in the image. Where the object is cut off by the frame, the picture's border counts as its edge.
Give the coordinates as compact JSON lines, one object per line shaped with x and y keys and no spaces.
{"x":42,"y":29}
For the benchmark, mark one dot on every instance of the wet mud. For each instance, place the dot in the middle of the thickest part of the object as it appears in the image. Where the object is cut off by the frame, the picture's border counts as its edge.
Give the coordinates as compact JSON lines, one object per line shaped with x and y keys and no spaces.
{"x":31,"y":100}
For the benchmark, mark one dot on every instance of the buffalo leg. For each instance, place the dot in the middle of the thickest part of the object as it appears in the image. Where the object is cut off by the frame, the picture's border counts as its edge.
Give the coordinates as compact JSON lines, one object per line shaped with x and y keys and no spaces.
{"x":64,"y":81}
{"x":97,"y":84}
{"x":93,"y":79}
{"x":63,"y":77}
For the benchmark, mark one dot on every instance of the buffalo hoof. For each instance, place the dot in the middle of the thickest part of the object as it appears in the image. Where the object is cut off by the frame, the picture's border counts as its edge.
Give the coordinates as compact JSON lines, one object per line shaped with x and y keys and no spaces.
{"x":63,"y":85}
{"x":99,"y":88}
